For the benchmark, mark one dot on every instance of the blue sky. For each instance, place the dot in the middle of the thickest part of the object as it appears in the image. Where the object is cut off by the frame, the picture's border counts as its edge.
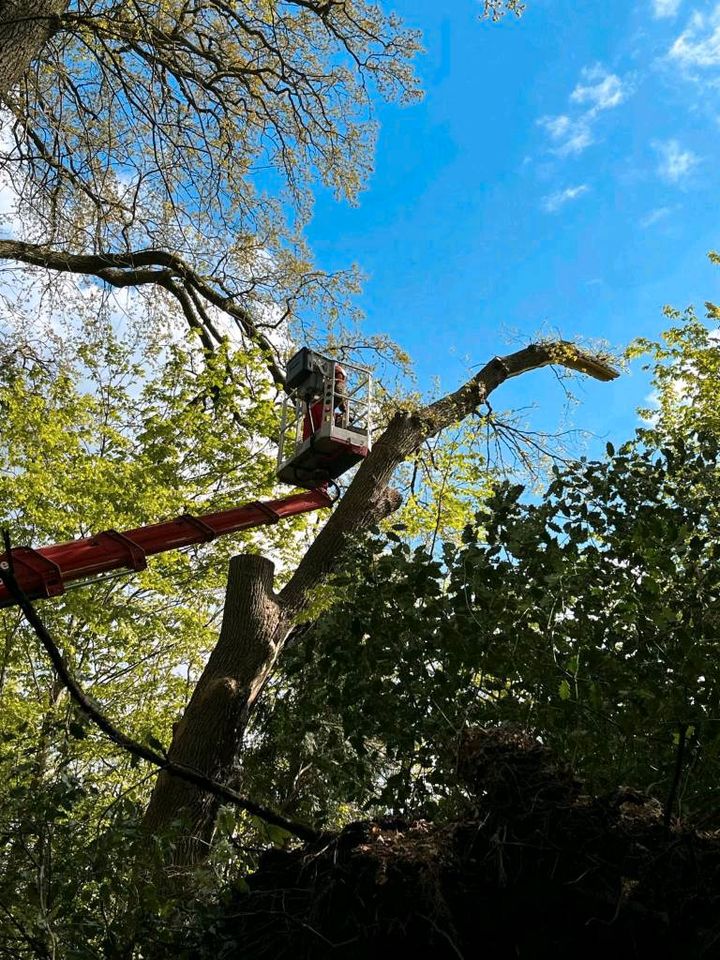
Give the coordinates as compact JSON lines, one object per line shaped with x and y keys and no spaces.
{"x":561,"y":176}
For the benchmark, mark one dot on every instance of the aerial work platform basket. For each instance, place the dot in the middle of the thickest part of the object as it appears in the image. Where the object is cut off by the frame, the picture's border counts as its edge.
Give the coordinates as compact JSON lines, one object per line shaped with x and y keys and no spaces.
{"x":325,"y":431}
{"x":326,"y":419}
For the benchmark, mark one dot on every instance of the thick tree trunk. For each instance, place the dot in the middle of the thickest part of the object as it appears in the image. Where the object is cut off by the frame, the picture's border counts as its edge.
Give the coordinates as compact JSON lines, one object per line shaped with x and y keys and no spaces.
{"x":25,"y":27}
{"x":257,"y":622}
{"x":209,"y":736}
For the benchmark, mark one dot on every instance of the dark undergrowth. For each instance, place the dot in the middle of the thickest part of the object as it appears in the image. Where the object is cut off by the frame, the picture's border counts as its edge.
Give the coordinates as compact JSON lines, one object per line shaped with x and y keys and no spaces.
{"x":539,"y":869}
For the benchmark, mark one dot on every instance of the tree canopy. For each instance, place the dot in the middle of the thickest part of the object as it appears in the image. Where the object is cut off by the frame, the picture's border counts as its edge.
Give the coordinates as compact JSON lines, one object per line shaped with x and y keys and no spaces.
{"x":175,"y":148}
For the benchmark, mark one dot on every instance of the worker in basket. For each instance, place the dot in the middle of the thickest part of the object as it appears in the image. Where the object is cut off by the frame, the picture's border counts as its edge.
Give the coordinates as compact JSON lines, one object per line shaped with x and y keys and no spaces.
{"x":312,"y":421}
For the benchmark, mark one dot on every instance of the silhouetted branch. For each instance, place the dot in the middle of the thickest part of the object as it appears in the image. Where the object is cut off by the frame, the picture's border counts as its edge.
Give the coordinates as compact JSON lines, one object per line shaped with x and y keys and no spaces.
{"x":94,"y":714}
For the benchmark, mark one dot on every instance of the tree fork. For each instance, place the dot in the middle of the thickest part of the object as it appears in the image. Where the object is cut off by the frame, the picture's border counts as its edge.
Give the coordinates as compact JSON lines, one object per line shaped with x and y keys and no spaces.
{"x":257,"y":622}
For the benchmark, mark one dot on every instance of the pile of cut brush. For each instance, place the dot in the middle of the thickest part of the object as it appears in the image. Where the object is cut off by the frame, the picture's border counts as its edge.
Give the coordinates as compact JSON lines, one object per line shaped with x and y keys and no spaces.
{"x":542,"y":870}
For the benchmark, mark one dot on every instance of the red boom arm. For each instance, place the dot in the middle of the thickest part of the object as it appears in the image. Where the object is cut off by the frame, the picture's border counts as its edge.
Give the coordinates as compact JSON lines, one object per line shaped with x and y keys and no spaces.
{"x":44,"y":572}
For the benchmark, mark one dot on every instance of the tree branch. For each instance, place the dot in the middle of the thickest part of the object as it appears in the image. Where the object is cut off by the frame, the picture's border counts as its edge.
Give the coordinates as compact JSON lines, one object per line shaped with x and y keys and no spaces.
{"x":150,"y":266}
{"x":127,"y":743}
{"x":368,"y":498}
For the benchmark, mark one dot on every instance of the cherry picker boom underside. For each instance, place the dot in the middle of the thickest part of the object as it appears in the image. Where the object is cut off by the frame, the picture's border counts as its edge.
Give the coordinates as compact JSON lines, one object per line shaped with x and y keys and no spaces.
{"x":43,"y":572}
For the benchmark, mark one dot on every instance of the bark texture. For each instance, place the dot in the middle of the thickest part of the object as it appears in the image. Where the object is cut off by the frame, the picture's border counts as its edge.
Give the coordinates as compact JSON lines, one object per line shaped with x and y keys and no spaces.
{"x":257,"y":622}
{"x":25,"y":27}
{"x":209,"y":735}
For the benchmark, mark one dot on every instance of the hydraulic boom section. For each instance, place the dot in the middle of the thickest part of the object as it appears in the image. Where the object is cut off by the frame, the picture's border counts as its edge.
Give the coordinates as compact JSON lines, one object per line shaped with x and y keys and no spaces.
{"x":45,"y":571}
{"x":326,"y":430}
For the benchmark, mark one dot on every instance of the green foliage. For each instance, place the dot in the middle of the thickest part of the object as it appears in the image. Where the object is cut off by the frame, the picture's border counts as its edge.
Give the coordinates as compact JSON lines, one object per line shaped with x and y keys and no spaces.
{"x":686,"y":370}
{"x":442,"y":484}
{"x":123,"y":435}
{"x":589,"y":615}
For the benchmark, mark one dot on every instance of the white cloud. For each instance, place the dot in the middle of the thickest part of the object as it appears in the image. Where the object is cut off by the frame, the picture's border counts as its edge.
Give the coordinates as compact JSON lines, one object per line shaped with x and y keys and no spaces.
{"x":699,"y":44}
{"x":8,"y":196}
{"x":598,"y":90}
{"x":557,"y":127}
{"x":570,"y":136}
{"x":553,"y":202}
{"x":602,"y":90}
{"x":675,"y":163}
{"x":655,"y":216}
{"x":665,"y":8}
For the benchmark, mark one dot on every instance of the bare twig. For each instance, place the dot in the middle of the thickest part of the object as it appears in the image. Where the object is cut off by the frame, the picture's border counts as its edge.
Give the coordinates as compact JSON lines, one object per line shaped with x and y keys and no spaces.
{"x":149,"y":266}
